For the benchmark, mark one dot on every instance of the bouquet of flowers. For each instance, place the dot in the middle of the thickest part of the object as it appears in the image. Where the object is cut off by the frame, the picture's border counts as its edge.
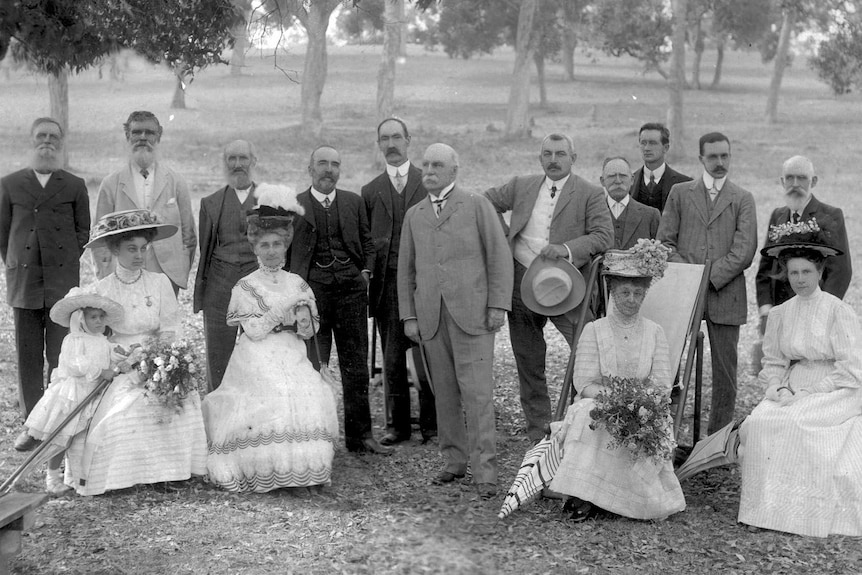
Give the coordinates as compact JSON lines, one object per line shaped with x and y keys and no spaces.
{"x":653,"y":257}
{"x":802,"y":230}
{"x":170,"y":371}
{"x":637,"y":416}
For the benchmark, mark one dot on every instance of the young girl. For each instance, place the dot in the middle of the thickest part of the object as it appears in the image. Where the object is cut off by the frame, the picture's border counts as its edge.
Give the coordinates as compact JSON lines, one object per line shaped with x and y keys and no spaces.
{"x":85,"y":358}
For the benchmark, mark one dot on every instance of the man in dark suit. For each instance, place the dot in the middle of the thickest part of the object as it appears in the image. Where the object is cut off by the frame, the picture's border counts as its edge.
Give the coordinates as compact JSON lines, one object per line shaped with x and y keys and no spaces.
{"x":632,"y":220}
{"x":454,"y":287}
{"x":652,"y":183}
{"x":387,"y":198}
{"x":226,"y":254}
{"x":44,"y":224}
{"x":333,"y":251}
{"x":554,"y":215}
{"x":713,"y":219}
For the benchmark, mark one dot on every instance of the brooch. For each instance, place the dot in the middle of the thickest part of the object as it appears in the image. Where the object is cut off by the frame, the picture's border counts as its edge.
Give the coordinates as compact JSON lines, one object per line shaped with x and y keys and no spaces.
{"x":149,"y":300}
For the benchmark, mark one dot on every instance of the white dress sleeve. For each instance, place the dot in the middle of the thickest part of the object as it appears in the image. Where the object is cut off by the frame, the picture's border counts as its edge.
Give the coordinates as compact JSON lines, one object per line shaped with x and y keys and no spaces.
{"x":660,"y":372}
{"x":845,"y":339}
{"x":169,"y":316}
{"x":76,"y":360}
{"x":249,"y":309}
{"x":775,"y":363}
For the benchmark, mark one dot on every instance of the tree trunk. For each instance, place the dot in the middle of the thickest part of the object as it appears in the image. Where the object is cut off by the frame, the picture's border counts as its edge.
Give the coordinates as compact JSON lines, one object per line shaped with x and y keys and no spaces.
{"x":779,"y":66}
{"x":698,"y":55}
{"x":178,"y":102}
{"x":567,"y":50}
{"x":402,"y":29}
{"x":315,"y":21}
{"x":539,"y":59}
{"x":393,"y":13}
{"x":517,"y":113}
{"x":719,"y":62}
{"x":58,"y":94}
{"x":240,"y":47}
{"x":676,"y":81}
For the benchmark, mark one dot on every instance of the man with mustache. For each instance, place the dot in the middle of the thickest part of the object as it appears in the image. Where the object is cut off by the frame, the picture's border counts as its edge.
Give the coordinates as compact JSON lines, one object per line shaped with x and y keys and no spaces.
{"x":632,"y":220}
{"x":652,"y":183}
{"x":555,"y":215}
{"x":44,"y":224}
{"x":333,"y":251}
{"x":387,"y":198}
{"x":711,"y":218}
{"x":226,"y":254}
{"x":146,"y":182}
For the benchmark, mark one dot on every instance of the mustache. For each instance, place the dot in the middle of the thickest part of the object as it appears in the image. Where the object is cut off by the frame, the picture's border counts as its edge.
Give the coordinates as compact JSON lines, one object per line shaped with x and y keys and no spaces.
{"x":392,"y":151}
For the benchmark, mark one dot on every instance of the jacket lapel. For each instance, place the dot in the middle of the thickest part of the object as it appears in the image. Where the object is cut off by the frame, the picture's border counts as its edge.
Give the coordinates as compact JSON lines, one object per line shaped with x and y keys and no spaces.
{"x":566,"y":195}
{"x":55,"y":185}
{"x":724,"y":199}
{"x":413,"y":181}
{"x":384,"y":195}
{"x":633,"y":217}
{"x":160,"y":184}
{"x":304,"y":200}
{"x":810,"y":210}
{"x":697,"y":193}
{"x":126,"y":186}
{"x":452,"y":204}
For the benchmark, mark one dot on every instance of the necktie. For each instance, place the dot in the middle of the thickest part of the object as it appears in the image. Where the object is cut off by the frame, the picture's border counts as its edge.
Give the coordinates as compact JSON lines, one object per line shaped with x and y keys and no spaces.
{"x":438,"y":205}
{"x":399,"y":182}
{"x":145,"y":172}
{"x":326,"y":202}
{"x":796,"y":217}
{"x":651,"y":185}
{"x":553,"y":191}
{"x":617,"y":210}
{"x":713,"y":193}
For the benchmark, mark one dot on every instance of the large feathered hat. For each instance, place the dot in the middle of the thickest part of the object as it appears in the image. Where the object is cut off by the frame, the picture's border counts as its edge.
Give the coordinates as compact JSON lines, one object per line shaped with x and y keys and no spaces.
{"x":276,"y":207}
{"x":801,"y":235}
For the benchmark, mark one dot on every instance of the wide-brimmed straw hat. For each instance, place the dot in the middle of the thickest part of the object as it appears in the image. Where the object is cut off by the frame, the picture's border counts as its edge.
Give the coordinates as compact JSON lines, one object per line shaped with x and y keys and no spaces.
{"x":802,"y":235}
{"x":78,"y":298}
{"x":128,"y":221}
{"x":552,"y":287}
{"x":646,"y":259}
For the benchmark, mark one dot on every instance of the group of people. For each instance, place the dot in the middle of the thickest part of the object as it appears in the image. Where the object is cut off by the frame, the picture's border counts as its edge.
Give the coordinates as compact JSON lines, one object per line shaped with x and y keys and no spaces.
{"x":439,"y":268}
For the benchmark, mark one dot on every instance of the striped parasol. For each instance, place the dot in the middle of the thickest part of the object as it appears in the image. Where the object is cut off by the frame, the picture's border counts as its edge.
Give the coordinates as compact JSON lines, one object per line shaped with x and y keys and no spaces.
{"x":535,"y":474}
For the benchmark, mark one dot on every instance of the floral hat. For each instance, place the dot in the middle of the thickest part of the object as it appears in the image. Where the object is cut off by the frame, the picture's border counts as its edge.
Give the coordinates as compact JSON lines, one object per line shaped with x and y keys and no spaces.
{"x":801,"y":235}
{"x":646,"y":259}
{"x":78,"y":298}
{"x":276,"y":206}
{"x":127,"y":221}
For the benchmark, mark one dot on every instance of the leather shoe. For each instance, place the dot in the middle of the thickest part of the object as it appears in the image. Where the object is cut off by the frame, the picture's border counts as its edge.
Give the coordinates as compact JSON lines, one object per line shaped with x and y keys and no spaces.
{"x":368,"y":445}
{"x":26,"y":442}
{"x":446,"y":477}
{"x":486,"y":490}
{"x":579,"y":509}
{"x":428,"y":435}
{"x":393,"y":438}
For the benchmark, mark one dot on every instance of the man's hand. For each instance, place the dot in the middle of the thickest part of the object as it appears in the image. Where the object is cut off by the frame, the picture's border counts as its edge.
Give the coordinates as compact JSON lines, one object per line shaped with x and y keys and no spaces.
{"x":496,"y":317}
{"x":411,"y":330}
{"x":366,"y":275}
{"x":554,"y":252}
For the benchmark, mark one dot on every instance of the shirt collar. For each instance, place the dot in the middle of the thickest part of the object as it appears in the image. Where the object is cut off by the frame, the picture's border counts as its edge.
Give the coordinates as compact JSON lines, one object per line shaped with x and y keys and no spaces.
{"x":561,"y":183}
{"x":612,"y":202}
{"x":657,"y":173}
{"x":320,"y":196}
{"x":394,"y":171}
{"x":709,"y":181}
{"x":444,"y":194}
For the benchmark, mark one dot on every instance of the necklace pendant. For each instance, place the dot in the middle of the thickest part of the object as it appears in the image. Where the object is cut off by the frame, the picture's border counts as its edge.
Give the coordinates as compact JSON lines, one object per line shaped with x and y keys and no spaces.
{"x":149,"y":300}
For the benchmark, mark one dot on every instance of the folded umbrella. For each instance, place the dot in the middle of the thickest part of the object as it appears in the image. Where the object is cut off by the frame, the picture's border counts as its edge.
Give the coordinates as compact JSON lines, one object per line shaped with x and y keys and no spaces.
{"x":535,"y":474}
{"x":715,"y":450}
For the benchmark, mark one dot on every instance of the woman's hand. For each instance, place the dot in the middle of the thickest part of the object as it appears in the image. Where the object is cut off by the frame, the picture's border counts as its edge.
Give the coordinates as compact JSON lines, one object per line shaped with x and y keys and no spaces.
{"x":108,"y":374}
{"x":303,"y":317}
{"x":790,"y":399}
{"x":592,"y":390}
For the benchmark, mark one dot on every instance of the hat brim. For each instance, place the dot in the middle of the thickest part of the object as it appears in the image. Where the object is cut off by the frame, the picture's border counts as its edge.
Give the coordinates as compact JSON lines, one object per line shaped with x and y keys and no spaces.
{"x":162,"y":231}
{"x":62,"y":311}
{"x":826,"y":251}
{"x":626,"y":275}
{"x":573,"y":300}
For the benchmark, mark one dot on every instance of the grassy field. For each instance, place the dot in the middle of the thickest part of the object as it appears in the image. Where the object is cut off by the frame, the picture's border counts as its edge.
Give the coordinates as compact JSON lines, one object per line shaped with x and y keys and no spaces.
{"x":381,"y":515}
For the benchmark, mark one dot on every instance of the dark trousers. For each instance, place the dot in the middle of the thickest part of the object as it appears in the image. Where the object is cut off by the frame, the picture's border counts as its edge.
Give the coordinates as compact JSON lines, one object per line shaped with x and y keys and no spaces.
{"x":395,"y":346}
{"x":37,"y":338}
{"x":723,"y":341}
{"x":526,"y":329}
{"x":344,"y":315}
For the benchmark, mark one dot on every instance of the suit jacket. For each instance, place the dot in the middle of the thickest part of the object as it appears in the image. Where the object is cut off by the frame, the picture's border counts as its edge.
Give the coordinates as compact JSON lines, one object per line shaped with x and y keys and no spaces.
{"x":668,"y":180}
{"x":355,"y":233}
{"x":726,"y":236}
{"x":581,"y":221}
{"x":56,"y":219}
{"x":171,"y":203}
{"x":461,"y":258}
{"x":378,"y":202}
{"x":639,"y":221}
{"x":773,"y":287}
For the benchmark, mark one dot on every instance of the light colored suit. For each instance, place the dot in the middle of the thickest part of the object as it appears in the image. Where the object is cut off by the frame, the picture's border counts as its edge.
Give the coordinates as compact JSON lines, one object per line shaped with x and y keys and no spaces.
{"x":172,"y":256}
{"x":726,"y":235}
{"x":451,"y":269}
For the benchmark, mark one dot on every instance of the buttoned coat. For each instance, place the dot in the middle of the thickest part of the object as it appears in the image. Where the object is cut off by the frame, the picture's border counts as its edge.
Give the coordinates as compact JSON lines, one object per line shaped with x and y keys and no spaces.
{"x":56,"y":219}
{"x":581,"y":220}
{"x":355,"y":233}
{"x":640,"y":221}
{"x":170,"y":202}
{"x":378,"y":202}
{"x":838,"y":270}
{"x":725,"y":235}
{"x":668,"y":180}
{"x":461,"y":258}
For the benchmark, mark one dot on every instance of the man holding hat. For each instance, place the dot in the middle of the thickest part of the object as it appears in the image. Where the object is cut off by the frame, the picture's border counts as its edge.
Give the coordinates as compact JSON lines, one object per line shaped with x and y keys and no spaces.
{"x":558,"y":220}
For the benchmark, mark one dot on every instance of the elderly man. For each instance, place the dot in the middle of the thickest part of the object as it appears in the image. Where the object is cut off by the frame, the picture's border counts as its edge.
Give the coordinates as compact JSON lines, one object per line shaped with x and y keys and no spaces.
{"x":632,"y":220}
{"x":554,"y":215}
{"x":652,"y":183}
{"x":146,"y":182}
{"x":44,"y":224}
{"x":387,"y":198}
{"x":454,"y":287}
{"x":713,"y":219}
{"x":333,"y":251}
{"x":226,"y":254}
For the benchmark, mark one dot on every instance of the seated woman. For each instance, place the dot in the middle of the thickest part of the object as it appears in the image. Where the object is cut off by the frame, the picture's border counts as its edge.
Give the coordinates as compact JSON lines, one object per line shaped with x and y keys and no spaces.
{"x":626,"y":345}
{"x":133,"y":438}
{"x":801,"y":447}
{"x":272,"y":422}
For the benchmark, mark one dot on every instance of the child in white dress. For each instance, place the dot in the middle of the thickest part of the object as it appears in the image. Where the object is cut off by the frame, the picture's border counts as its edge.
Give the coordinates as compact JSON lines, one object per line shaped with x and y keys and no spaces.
{"x":85,"y":359}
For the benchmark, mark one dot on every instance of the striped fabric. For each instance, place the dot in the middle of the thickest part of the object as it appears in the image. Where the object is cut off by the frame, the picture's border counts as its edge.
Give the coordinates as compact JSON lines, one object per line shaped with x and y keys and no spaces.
{"x":538,"y":468}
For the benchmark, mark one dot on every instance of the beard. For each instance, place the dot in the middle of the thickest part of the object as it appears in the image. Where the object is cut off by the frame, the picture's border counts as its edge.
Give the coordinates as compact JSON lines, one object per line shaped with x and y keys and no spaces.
{"x":239,"y":180}
{"x":144,"y":157}
{"x":796,"y":200}
{"x":46,"y":160}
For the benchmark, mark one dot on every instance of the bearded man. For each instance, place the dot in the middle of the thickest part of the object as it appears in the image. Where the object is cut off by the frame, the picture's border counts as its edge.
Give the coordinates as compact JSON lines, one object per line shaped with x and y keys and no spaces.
{"x":226,"y":254}
{"x":44,"y":224}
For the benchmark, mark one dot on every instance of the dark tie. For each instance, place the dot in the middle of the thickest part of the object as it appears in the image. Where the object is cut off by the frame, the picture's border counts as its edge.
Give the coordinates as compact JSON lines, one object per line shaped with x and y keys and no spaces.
{"x":651,"y":185}
{"x":796,"y":217}
{"x":326,"y":203}
{"x":438,"y":205}
{"x":399,"y":183}
{"x":145,"y":172}
{"x":553,"y":191}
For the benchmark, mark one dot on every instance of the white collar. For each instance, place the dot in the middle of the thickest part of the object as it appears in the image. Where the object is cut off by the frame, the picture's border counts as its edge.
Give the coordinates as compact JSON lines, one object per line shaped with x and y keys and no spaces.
{"x":395,"y":171}
{"x":444,"y":194}
{"x":709,"y":181}
{"x":657,"y":173}
{"x":561,"y":183}
{"x":612,"y":202}
{"x":321,"y":196}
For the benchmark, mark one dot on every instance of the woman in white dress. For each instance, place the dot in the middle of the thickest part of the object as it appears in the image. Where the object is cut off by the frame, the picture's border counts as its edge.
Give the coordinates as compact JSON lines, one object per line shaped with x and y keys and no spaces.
{"x":801,"y":447}
{"x":623,"y":344}
{"x":272,"y":422}
{"x":133,"y":438}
